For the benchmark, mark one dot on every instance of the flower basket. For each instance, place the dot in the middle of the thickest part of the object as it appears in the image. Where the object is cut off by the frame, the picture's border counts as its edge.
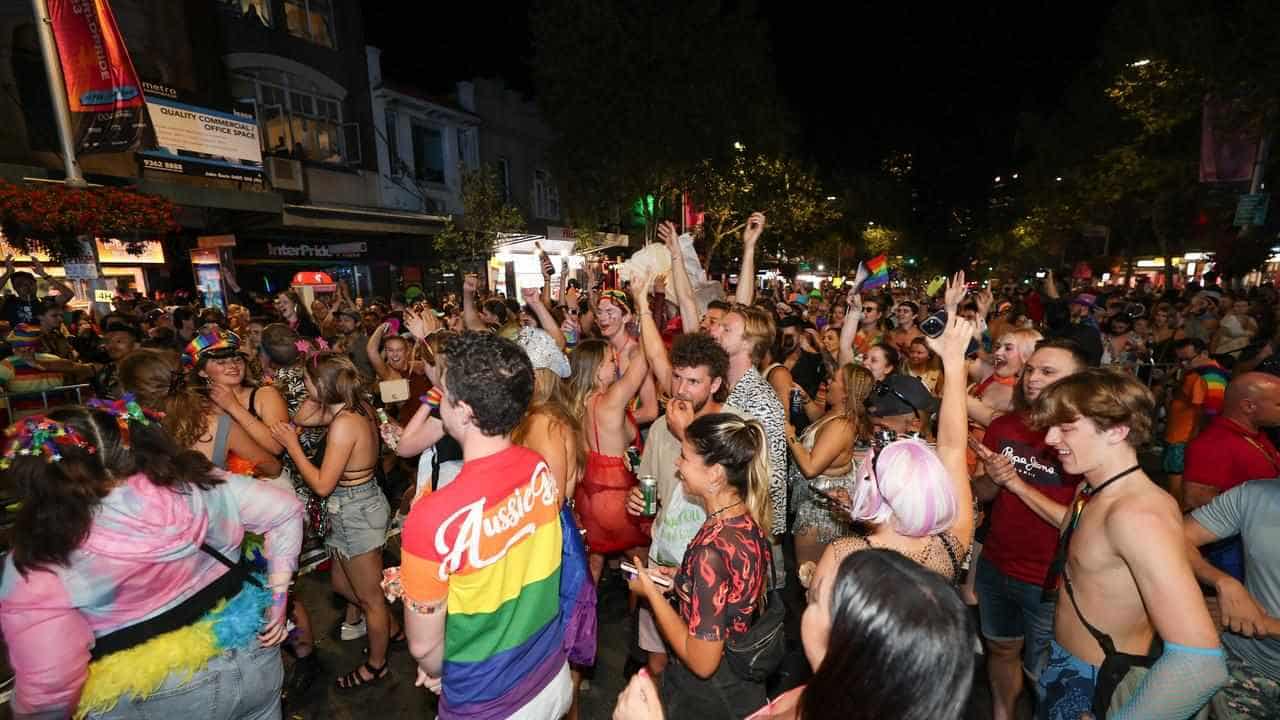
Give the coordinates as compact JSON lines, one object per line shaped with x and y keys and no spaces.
{"x":52,"y":218}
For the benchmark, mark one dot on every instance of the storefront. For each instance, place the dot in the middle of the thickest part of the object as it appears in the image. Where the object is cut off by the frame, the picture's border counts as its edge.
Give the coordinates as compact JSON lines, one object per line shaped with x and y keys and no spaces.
{"x":270,"y":265}
{"x":120,"y":270}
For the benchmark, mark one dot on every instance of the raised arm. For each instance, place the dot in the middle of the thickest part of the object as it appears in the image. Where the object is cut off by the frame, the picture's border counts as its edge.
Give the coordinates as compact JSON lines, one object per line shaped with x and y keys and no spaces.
{"x":953,"y":424}
{"x":651,"y":340}
{"x":65,"y":293}
{"x":534,"y":299}
{"x":680,"y":282}
{"x":470,"y":317}
{"x":374,"y":350}
{"x":620,"y":393}
{"x":849,"y":331}
{"x":747,"y":273}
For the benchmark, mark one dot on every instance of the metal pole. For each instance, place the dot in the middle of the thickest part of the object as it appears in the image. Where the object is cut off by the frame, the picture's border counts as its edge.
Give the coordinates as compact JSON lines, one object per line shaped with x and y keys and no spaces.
{"x":58,"y":92}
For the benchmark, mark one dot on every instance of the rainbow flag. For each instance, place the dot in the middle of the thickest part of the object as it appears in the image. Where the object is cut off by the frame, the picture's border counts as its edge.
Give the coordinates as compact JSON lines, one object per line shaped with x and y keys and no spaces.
{"x":877,"y":273}
{"x":489,"y":545}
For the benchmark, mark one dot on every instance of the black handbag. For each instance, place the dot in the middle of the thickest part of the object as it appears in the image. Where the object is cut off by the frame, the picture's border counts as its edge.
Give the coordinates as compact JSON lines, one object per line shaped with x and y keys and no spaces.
{"x":757,"y":653}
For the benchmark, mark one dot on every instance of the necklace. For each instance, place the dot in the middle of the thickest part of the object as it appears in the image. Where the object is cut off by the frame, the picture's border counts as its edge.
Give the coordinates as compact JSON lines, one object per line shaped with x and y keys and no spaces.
{"x":721,"y":510}
{"x":1113,"y":478}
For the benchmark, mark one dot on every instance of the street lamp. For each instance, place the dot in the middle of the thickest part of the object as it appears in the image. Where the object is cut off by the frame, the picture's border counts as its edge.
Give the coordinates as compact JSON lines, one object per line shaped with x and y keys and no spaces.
{"x":737,"y":145}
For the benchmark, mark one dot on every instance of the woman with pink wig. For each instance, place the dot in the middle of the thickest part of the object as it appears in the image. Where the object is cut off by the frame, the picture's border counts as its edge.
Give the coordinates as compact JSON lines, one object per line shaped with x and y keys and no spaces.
{"x":916,"y":501}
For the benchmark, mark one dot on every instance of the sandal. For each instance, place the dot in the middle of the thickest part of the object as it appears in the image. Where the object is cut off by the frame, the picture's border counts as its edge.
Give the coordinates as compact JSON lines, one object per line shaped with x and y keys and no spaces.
{"x":354,"y":679}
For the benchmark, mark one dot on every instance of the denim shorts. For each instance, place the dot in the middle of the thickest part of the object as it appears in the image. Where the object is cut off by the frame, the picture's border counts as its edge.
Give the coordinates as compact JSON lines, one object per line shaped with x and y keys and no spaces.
{"x":357,"y":520}
{"x":238,"y":684}
{"x":1011,"y":609}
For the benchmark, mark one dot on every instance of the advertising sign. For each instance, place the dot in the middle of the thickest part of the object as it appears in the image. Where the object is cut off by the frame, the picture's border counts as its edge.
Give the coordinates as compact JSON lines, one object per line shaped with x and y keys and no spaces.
{"x":103,"y":92}
{"x":198,"y":141}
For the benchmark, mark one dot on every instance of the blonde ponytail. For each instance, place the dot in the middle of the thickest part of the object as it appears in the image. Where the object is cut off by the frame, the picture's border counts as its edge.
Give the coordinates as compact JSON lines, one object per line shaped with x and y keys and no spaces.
{"x":759,"y":503}
{"x":740,"y":447}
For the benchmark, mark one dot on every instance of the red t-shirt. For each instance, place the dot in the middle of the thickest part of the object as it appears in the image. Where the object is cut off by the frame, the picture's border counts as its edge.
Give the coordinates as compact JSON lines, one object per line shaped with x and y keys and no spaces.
{"x":1223,"y":456}
{"x":1019,"y":542}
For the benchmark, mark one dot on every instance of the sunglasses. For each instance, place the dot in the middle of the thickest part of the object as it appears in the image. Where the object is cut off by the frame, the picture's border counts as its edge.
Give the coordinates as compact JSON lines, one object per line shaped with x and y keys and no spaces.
{"x":883,"y":389}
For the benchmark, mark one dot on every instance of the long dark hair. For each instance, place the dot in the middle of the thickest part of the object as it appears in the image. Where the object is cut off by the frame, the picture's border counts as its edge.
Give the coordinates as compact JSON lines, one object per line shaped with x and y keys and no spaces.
{"x":59,"y":498}
{"x":901,"y":645}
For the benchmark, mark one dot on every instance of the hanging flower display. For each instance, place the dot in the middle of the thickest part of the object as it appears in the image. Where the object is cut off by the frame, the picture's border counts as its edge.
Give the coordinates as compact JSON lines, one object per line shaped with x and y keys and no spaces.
{"x":51,"y":218}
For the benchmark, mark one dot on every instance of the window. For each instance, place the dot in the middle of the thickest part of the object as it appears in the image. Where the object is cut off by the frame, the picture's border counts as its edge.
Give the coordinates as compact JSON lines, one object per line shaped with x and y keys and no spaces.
{"x":310,"y":20}
{"x":504,"y":179}
{"x":392,"y":129}
{"x":546,"y":201}
{"x":296,"y":119}
{"x":466,"y":157}
{"x":428,"y":154}
{"x":259,"y":10}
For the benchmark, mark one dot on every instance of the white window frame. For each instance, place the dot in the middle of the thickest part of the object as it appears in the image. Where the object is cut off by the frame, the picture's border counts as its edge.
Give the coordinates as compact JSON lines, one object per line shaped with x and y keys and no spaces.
{"x":287,"y":91}
{"x":416,"y":122}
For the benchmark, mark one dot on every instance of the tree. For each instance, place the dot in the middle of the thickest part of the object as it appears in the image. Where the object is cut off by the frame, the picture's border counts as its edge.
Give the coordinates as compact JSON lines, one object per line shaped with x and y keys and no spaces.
{"x":658,"y":88}
{"x":788,"y":194}
{"x":485,"y":214}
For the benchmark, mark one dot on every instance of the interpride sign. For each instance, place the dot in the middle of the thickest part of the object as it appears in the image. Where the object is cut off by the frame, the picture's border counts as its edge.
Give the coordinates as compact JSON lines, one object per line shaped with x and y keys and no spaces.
{"x":352,"y":249}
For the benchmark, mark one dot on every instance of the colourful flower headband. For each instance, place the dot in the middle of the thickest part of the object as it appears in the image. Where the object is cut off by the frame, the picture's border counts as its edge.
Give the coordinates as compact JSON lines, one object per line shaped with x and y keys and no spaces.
{"x":126,"y":410}
{"x":39,"y":435}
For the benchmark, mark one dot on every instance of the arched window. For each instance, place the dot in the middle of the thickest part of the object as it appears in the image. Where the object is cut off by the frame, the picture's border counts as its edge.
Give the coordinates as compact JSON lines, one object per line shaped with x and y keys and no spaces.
{"x":298,"y":118}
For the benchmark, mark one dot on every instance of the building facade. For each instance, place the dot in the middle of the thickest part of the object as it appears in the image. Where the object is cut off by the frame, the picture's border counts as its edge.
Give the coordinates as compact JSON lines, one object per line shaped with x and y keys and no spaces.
{"x":298,"y":70}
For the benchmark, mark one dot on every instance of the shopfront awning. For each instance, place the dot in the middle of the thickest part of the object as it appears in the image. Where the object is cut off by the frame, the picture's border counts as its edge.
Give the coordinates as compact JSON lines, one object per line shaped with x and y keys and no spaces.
{"x":360,"y":220}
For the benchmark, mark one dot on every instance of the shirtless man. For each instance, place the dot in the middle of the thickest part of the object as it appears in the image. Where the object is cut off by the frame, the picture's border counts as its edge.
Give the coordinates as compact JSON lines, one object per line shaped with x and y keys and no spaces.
{"x":1127,"y":571}
{"x":614,"y":315}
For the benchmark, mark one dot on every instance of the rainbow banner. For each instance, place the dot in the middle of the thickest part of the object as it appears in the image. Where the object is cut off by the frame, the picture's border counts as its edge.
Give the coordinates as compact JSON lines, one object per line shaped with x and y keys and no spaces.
{"x":877,"y":273}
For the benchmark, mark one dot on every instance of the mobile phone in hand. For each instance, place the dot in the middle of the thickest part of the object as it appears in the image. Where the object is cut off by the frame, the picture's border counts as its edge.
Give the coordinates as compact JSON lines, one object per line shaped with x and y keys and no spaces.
{"x":658,"y":580}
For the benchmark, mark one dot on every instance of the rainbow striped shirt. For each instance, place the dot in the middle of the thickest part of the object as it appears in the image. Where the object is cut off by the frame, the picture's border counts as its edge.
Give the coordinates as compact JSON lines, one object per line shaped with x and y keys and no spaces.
{"x":1215,"y":379}
{"x":489,"y":545}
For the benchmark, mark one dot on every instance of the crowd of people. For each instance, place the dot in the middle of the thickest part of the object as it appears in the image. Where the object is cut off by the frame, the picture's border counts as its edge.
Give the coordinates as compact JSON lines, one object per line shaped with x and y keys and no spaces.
{"x":950,"y":471}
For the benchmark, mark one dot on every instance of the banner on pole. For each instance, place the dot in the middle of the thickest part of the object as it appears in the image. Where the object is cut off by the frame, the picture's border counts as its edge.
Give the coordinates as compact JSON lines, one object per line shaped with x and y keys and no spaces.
{"x":103,"y":92}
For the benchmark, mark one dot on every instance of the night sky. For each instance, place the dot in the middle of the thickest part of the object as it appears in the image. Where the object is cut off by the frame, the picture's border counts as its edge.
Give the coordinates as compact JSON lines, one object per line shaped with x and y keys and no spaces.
{"x":946,"y":83}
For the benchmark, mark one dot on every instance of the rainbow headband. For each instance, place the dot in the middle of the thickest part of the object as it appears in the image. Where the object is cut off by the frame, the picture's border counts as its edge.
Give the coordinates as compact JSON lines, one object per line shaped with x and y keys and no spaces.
{"x":126,"y":410}
{"x":618,"y":297}
{"x":38,"y":435}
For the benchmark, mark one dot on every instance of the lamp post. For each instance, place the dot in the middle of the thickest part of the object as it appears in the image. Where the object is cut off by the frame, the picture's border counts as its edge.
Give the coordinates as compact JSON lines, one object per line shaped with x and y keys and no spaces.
{"x":58,"y":93}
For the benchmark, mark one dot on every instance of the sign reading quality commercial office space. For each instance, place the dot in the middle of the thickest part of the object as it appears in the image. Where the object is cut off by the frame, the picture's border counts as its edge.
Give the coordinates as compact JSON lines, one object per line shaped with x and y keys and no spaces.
{"x":199,"y":141}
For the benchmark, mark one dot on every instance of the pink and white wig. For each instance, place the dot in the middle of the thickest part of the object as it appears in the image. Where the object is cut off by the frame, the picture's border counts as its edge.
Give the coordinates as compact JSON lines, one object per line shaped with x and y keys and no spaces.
{"x":908,"y":487}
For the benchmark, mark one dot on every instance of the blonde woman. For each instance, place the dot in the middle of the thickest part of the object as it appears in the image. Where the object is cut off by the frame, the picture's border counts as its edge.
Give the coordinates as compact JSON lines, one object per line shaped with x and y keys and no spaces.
{"x":596,"y":393}
{"x":824,"y":456}
{"x":549,"y":428}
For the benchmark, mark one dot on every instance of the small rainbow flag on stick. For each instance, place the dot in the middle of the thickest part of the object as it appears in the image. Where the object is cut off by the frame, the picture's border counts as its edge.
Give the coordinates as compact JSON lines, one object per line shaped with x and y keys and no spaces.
{"x":877,"y":273}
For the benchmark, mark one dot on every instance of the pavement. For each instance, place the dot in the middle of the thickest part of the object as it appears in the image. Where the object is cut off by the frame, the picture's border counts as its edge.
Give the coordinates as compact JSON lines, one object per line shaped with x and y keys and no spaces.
{"x":400,"y":699}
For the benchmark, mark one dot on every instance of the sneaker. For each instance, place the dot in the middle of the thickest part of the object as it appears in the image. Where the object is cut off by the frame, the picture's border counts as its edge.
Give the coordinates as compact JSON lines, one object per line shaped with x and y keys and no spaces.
{"x":353,"y":632}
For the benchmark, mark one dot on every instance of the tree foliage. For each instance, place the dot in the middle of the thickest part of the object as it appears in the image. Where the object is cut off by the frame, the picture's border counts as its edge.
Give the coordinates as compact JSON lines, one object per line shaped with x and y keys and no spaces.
{"x":659,"y":88}
{"x":485,"y":214}
{"x":786,"y":192}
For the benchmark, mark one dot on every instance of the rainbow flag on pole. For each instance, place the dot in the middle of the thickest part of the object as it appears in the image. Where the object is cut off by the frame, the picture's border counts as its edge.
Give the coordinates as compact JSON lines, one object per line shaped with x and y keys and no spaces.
{"x":877,"y":273}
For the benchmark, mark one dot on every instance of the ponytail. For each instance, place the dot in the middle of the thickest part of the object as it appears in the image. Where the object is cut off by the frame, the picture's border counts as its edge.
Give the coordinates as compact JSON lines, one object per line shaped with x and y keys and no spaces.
{"x":740,"y":447}
{"x":759,"y":503}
